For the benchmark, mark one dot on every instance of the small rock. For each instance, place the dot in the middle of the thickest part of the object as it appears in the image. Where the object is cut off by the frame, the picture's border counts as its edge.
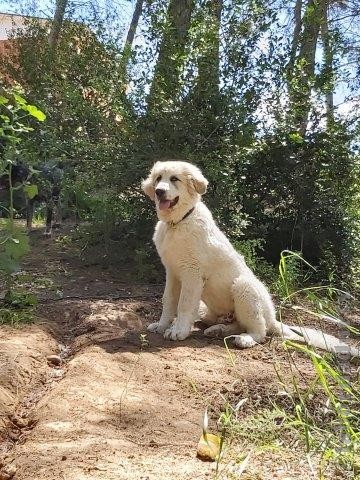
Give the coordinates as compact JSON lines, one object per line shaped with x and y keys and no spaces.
{"x":57,"y":373}
{"x":20,"y":422}
{"x":8,"y":472}
{"x":32,"y":421}
{"x":54,"y":359}
{"x":14,"y":435}
{"x":64,"y":457}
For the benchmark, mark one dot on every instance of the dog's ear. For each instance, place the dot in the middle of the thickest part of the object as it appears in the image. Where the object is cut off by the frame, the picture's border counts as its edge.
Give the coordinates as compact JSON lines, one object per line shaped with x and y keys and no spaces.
{"x":198,"y":180}
{"x":148,"y":187}
{"x":148,"y":184}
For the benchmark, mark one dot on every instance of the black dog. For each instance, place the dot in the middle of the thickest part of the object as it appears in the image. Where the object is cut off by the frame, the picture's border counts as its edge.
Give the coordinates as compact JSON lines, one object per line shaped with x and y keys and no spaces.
{"x":48,"y":178}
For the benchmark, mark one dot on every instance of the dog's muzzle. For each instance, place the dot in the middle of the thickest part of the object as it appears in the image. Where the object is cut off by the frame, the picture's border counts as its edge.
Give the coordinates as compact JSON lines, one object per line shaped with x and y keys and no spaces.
{"x":160,"y":193}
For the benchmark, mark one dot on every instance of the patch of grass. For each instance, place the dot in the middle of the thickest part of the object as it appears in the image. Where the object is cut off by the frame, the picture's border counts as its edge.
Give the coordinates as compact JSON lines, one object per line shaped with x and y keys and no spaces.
{"x":16,"y":308}
{"x":64,"y":241}
{"x":39,"y":217}
{"x":322,"y":418}
{"x":16,"y":318}
{"x":327,"y":413}
{"x":264,"y":430}
{"x":19,"y":299}
{"x":251,"y":249}
{"x":18,"y":304}
{"x":319,"y":422}
{"x":249,"y":436}
{"x":291,"y":273}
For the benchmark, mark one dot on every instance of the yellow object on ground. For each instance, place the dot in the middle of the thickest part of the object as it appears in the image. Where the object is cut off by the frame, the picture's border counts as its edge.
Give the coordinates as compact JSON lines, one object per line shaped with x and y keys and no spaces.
{"x":209,"y":447}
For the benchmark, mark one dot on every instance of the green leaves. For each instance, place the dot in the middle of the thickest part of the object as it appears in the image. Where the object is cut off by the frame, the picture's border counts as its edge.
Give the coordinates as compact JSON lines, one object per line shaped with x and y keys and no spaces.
{"x":14,"y":244}
{"x":12,"y":124}
{"x":31,"y":191}
{"x":31,"y":109}
{"x":14,"y":241}
{"x":3,"y":100}
{"x":20,"y":299}
{"x":17,"y":247}
{"x":35,"y":112}
{"x":296,"y":138}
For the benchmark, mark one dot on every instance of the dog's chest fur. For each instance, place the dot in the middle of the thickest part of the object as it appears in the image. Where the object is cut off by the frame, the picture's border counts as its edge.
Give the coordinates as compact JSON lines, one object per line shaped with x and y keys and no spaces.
{"x":173,"y":244}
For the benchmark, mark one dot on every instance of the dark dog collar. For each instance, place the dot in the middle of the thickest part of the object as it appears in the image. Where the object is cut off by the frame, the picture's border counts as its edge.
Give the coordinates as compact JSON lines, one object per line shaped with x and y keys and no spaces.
{"x":183,"y":218}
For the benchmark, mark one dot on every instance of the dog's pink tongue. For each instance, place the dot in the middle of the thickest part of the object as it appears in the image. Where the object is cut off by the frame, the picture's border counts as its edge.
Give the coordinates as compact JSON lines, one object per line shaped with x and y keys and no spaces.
{"x":164,"y":204}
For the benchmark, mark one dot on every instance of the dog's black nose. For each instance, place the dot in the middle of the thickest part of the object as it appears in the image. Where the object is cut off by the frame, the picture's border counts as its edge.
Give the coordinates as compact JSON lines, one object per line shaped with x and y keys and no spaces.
{"x":160,"y":192}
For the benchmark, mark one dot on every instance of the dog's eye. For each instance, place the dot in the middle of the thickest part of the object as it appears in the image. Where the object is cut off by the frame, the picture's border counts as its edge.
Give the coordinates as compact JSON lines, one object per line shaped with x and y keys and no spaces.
{"x":174,"y":179}
{"x":158,"y":179}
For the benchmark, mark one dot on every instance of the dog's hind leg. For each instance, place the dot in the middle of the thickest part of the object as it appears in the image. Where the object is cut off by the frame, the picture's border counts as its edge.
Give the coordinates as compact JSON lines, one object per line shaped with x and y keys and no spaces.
{"x":206,"y":315}
{"x":249,"y":311}
{"x":222,"y":330}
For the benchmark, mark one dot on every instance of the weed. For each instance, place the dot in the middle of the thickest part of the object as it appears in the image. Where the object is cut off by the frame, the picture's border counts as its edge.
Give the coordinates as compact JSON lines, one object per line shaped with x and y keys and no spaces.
{"x":15,"y":318}
{"x":144,"y":343}
{"x":19,"y":299}
{"x":39,"y":217}
{"x":330,"y":428}
{"x":322,"y":417}
{"x":291,"y":273}
{"x":16,"y":307}
{"x":251,"y":250}
{"x":64,"y":241}
{"x":14,"y":241}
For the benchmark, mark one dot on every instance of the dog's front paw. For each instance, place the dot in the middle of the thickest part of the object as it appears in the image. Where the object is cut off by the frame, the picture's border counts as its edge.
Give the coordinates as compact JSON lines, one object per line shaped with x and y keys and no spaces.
{"x":176,"y":333}
{"x":156,"y":327}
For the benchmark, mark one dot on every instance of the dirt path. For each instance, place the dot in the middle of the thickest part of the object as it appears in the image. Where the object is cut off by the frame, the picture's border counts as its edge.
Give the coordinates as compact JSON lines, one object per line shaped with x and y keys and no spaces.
{"x":117,"y":404}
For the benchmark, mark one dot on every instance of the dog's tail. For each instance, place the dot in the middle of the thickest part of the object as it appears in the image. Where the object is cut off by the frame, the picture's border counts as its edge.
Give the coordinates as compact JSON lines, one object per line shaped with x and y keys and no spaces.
{"x":315,"y":338}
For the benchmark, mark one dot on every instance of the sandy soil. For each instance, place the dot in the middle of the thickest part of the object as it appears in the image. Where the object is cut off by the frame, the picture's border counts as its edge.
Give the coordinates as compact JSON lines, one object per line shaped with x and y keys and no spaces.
{"x":115,"y":404}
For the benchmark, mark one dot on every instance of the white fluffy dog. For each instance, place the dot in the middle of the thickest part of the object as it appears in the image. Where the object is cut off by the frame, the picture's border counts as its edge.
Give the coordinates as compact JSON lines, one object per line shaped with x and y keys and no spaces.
{"x":205,"y":276}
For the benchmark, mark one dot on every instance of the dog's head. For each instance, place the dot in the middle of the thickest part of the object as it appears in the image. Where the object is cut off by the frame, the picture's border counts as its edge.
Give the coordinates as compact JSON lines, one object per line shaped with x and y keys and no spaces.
{"x":175,"y":187}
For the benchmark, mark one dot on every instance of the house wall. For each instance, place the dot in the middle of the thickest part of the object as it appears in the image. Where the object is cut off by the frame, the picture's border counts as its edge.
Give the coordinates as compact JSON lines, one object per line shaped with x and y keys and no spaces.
{"x":9,"y":23}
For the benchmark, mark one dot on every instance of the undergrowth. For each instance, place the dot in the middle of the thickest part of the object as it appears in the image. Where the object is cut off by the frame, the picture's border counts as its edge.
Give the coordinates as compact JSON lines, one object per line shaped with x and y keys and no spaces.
{"x":16,"y":308}
{"x":320,"y":416}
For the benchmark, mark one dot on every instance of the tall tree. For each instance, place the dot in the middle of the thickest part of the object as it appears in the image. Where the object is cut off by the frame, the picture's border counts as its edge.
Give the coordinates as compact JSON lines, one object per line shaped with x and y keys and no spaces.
{"x":57,"y":24}
{"x":165,"y":84}
{"x":296,"y":35}
{"x":204,"y":102}
{"x":209,"y":62}
{"x":134,"y":24}
{"x":302,"y":80}
{"x":328,"y":70}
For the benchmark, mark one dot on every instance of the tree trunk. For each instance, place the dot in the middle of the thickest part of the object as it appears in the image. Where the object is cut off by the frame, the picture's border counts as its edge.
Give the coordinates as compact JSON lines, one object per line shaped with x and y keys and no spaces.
{"x":296,"y":36}
{"x":57,"y":24}
{"x":165,"y":84}
{"x":328,"y":71}
{"x":209,"y":63}
{"x":303,"y":77}
{"x":134,"y":23}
